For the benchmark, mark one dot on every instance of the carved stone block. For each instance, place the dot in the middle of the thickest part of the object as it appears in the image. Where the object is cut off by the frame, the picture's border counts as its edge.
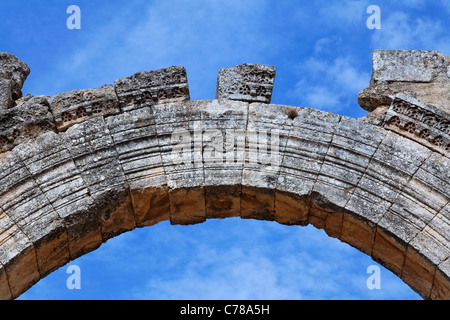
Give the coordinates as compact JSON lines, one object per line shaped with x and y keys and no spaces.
{"x":77,"y":106}
{"x":152,"y":87}
{"x":418,"y":121}
{"x":246,"y":82}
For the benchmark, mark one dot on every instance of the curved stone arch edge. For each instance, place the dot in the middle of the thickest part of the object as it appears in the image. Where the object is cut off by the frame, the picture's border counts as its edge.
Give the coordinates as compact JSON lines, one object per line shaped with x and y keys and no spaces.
{"x":317,"y":219}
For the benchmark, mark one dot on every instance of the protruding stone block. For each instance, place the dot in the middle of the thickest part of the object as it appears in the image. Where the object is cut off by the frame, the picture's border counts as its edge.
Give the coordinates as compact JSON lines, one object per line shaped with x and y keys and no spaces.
{"x":77,"y":106}
{"x":30,"y":118}
{"x":246,"y":82}
{"x":418,"y":121}
{"x":152,"y":87}
{"x":13,"y":69}
{"x":407,"y":65}
{"x":421,"y":74}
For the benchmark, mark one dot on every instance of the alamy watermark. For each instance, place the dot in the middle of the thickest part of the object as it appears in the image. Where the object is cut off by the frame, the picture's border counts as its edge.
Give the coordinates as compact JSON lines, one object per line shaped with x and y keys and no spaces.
{"x":374,"y":21}
{"x":74,"y":280}
{"x":74,"y":20}
{"x":231,"y":146}
{"x":374,"y":280}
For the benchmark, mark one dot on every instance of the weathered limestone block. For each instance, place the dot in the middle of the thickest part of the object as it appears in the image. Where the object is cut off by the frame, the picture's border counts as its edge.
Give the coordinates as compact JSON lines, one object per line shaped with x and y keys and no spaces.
{"x":441,"y":284}
{"x":434,"y":174}
{"x":77,"y":106}
{"x":152,"y":87}
{"x":27,"y":206}
{"x":50,"y":163}
{"x":389,"y":251}
{"x":424,"y":123}
{"x":6,"y":100}
{"x":18,"y":267}
{"x":179,"y":130}
{"x":427,"y":192}
{"x":224,"y":125}
{"x":246,"y":82}
{"x":430,"y":244}
{"x":348,"y":155}
{"x":408,"y":66}
{"x":136,"y":142}
{"x":30,"y":118}
{"x":15,"y":70}
{"x":418,"y":272}
{"x":421,"y":74}
{"x":5,"y":292}
{"x":377,"y":190}
{"x":268,"y":131}
{"x":346,"y":159}
{"x":306,"y":148}
{"x":95,"y":156}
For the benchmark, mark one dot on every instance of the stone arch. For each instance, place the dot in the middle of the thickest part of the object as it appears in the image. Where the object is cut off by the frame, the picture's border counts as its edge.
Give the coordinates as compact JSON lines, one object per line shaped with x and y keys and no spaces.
{"x":64,"y":192}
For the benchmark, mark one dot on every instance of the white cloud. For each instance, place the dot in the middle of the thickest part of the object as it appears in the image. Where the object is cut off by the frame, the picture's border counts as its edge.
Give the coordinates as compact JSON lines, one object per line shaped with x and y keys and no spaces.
{"x":329,"y":85}
{"x":414,"y":3}
{"x":343,"y":13}
{"x":223,"y":259}
{"x":403,"y":32}
{"x":153,"y":35}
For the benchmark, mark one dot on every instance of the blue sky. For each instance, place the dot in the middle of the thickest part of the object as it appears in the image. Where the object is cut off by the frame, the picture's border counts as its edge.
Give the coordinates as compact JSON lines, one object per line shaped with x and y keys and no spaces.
{"x":322,"y":51}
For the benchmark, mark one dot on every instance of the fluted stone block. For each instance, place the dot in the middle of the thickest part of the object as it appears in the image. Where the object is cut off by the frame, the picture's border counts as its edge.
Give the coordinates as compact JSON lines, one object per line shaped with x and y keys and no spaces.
{"x":179,"y":130}
{"x":93,"y":151}
{"x":137,"y":145}
{"x":223,"y":149}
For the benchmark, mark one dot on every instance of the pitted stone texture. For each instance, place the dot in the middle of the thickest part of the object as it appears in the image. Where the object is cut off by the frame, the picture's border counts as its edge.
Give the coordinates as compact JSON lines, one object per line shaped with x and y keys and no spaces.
{"x":77,"y":106}
{"x":420,"y":74}
{"x":15,"y":70}
{"x":408,"y":66}
{"x":136,"y":142}
{"x":63,"y":193}
{"x":6,"y":100}
{"x":95,"y":156}
{"x":152,"y":87}
{"x":424,"y":123}
{"x":372,"y":188}
{"x":223,"y":144}
{"x":179,"y":130}
{"x":246,"y":82}
{"x":30,"y":118}
{"x":29,"y":209}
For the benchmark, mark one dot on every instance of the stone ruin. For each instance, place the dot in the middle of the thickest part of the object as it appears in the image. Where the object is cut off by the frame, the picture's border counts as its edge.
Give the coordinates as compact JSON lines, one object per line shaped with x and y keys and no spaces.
{"x":83,"y":166}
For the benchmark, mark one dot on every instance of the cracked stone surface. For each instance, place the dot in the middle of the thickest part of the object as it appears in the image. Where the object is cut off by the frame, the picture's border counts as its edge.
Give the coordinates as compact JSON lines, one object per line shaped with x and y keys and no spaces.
{"x":83,"y":166}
